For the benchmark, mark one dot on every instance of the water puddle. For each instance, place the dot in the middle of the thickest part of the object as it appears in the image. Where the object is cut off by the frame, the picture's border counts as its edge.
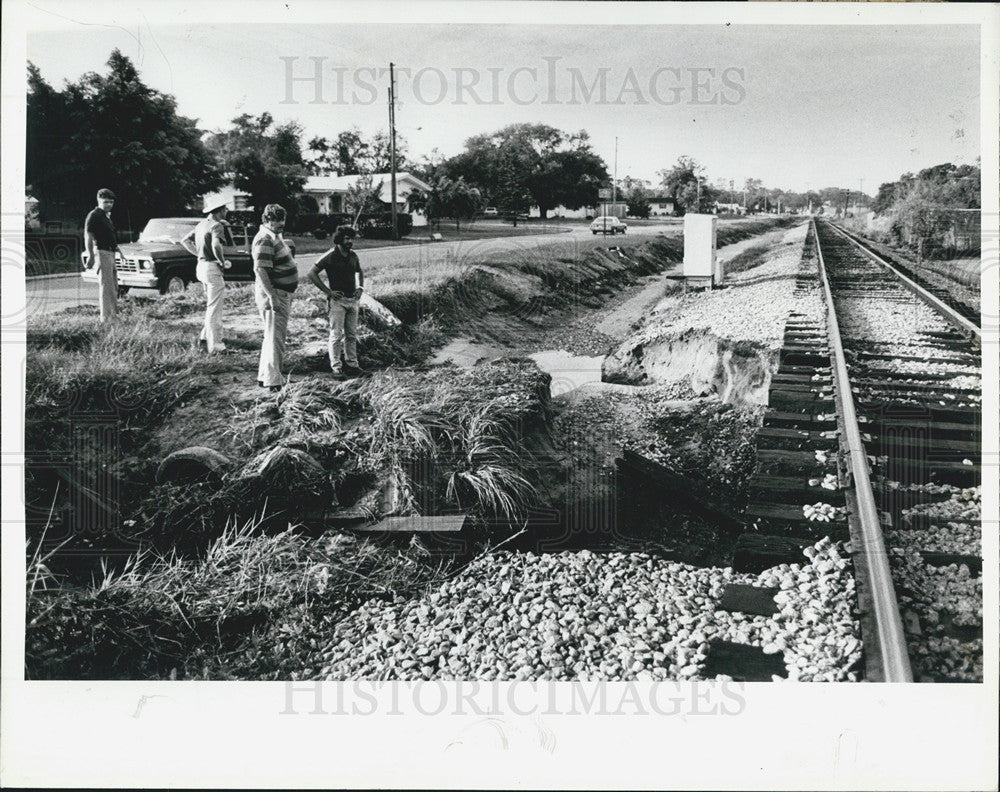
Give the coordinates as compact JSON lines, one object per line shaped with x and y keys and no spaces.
{"x":568,"y":371}
{"x":466,"y":354}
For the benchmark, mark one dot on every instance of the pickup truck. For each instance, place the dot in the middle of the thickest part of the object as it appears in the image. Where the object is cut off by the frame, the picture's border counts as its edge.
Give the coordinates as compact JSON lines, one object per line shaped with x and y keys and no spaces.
{"x":157,"y":260}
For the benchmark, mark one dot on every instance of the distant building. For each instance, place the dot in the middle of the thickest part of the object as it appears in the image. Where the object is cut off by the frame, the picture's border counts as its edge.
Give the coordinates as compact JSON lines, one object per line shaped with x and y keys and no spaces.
{"x":330,"y":191}
{"x":234,"y":200}
{"x":661,"y":206}
{"x":563,"y":212}
{"x":730,"y":208}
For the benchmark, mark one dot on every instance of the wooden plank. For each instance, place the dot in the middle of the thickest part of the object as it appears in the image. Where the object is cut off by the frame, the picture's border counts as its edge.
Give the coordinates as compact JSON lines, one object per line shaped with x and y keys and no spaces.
{"x":755,"y":600}
{"x":416,"y":523}
{"x":755,"y":552}
{"x":742,"y":662}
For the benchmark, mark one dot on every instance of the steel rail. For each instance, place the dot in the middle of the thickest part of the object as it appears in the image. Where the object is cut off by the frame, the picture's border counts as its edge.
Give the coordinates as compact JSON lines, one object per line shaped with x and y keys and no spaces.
{"x":889,"y":637}
{"x":937,"y":304}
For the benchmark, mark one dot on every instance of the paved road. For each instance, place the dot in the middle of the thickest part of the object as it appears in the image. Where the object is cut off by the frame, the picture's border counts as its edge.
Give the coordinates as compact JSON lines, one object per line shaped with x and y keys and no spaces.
{"x":45,"y":295}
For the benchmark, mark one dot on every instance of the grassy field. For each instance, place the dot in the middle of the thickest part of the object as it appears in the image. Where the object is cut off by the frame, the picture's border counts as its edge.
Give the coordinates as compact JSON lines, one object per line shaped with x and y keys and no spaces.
{"x":469,"y":231}
{"x":230,"y":576}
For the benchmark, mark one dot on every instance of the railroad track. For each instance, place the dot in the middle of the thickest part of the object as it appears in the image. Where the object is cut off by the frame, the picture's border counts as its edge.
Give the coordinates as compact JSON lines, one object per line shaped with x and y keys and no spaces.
{"x":909,"y":273}
{"x":874,"y":433}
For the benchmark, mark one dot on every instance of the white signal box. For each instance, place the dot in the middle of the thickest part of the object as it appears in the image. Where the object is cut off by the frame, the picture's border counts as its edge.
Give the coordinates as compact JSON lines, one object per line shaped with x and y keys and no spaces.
{"x":700,"y":265}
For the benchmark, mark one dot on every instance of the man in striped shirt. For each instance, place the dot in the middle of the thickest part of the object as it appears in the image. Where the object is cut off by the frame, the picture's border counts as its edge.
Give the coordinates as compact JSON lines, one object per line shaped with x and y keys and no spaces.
{"x":276,"y":280}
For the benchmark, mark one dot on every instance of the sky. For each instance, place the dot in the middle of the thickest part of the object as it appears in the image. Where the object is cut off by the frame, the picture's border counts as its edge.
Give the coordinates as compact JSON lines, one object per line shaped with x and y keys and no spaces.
{"x":797,"y":106}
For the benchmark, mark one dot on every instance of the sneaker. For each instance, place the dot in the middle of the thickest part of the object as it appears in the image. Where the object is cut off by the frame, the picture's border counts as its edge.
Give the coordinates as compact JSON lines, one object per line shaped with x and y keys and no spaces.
{"x":337,"y":375}
{"x":353,"y":370}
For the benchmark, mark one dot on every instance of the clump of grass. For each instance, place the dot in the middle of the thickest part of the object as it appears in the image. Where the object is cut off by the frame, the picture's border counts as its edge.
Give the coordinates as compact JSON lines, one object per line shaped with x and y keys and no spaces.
{"x":439,"y":447}
{"x":753,"y":256}
{"x":488,"y":465}
{"x":253,"y":607}
{"x":100,"y":392}
{"x":307,"y":411}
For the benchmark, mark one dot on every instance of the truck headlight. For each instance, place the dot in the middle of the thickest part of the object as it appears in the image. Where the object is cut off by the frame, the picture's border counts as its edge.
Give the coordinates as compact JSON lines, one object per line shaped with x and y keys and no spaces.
{"x":145,"y":264}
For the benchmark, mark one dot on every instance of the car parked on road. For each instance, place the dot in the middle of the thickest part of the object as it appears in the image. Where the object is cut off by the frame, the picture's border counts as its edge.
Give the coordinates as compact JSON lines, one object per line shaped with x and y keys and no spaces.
{"x":608,"y":224}
{"x":490,"y":211}
{"x":157,"y":260}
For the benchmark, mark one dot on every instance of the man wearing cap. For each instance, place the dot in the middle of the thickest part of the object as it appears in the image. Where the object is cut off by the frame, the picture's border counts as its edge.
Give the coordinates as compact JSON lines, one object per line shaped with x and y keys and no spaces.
{"x":102,"y":242}
{"x":206,"y":242}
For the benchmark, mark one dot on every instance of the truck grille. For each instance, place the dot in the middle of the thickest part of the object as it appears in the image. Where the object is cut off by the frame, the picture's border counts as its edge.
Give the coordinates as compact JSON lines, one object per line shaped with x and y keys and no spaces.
{"x":128,"y":265}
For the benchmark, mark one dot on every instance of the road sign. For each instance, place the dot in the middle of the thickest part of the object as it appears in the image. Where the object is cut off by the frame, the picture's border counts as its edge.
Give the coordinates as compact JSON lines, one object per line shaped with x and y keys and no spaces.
{"x":604,"y":193}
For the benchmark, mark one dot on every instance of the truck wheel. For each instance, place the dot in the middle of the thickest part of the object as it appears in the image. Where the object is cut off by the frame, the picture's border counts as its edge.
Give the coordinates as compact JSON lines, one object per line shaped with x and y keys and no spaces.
{"x":173,"y":283}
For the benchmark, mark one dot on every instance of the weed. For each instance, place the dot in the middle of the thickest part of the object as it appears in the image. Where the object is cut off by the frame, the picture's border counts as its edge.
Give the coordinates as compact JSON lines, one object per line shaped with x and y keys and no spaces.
{"x":253,"y":607}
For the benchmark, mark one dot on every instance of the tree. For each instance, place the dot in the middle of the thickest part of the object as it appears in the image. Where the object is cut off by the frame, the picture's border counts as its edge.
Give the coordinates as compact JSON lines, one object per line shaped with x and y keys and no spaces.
{"x":571,"y":178}
{"x":113,"y":131}
{"x":380,"y":158}
{"x":637,"y":199}
{"x":345,"y":155}
{"x":454,"y":198}
{"x":686,"y":184}
{"x":351,"y":153}
{"x":512,"y":196}
{"x":362,"y":196}
{"x":534,"y":160}
{"x":263,"y":160}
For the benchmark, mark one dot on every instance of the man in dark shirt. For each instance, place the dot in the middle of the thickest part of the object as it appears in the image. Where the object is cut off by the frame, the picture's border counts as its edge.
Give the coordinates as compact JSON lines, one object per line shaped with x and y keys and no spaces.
{"x":341,"y":265}
{"x":101,"y":242}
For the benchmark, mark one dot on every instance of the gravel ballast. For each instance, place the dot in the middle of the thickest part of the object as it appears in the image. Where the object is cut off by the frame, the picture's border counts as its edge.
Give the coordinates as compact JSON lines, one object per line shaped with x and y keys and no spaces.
{"x":616,"y":616}
{"x":751,"y":307}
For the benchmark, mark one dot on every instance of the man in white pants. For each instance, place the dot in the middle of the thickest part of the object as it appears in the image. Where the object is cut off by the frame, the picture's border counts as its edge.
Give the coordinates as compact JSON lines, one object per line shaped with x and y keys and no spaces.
{"x":206,"y":242}
{"x":277,"y":277}
{"x":102,"y":242}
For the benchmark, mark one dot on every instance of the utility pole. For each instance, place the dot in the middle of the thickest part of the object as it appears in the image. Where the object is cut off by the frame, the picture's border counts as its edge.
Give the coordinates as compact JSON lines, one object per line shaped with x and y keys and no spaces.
{"x":614,"y":181}
{"x":392,"y":145}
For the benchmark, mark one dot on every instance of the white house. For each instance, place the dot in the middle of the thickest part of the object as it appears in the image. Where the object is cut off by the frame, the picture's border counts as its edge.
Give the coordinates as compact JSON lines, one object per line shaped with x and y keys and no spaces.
{"x":329,"y":192}
{"x":618,"y":209}
{"x":661,"y":206}
{"x":562,"y":211}
{"x":231,"y":197}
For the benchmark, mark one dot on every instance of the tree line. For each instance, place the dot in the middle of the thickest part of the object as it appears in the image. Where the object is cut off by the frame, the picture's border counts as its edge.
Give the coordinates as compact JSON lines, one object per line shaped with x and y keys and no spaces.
{"x":112,"y":130}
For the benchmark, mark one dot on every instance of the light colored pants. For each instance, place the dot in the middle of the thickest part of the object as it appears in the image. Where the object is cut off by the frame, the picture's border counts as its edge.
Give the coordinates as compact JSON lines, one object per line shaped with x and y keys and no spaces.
{"x":210,"y":274}
{"x":343,"y":332}
{"x":272,"y":350}
{"x":107,"y":297}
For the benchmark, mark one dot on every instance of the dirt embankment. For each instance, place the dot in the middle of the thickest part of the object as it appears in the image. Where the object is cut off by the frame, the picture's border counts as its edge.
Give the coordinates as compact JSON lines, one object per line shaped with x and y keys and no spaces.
{"x":722,"y":342}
